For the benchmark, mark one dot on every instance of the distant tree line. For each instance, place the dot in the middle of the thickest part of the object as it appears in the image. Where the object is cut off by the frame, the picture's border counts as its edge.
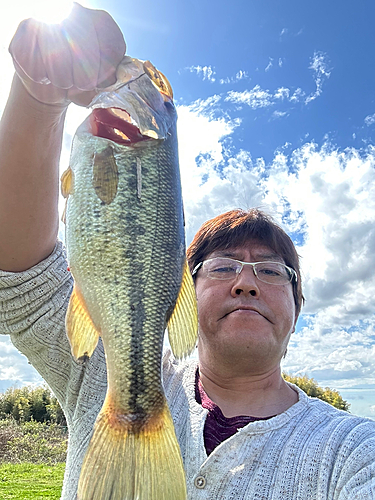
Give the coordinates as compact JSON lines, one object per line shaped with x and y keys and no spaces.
{"x":311,"y":387}
{"x":40,"y":405}
{"x":31,"y":404}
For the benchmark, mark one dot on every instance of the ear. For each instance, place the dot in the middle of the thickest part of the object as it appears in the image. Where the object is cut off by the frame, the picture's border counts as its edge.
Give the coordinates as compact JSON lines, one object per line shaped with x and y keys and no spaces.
{"x":295,"y":323}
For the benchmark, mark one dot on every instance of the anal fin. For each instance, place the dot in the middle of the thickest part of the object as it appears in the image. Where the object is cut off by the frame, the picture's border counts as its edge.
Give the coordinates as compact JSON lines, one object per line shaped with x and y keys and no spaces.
{"x":183,"y":323}
{"x":81,"y":332}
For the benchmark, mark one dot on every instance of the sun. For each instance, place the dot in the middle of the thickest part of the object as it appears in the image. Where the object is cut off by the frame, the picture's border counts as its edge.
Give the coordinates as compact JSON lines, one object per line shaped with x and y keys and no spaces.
{"x":48,"y":11}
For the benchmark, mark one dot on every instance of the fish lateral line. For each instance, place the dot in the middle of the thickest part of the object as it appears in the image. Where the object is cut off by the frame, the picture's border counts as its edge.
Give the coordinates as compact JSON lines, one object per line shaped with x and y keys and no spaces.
{"x":139,"y":178}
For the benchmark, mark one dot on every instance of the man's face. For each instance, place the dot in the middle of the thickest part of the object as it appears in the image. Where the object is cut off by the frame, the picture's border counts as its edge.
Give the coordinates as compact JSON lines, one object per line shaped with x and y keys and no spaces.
{"x":244,"y":317}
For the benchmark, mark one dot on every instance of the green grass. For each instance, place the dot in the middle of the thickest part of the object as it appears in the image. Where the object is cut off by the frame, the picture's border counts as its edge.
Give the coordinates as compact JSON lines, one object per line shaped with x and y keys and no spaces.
{"x":27,"y":481}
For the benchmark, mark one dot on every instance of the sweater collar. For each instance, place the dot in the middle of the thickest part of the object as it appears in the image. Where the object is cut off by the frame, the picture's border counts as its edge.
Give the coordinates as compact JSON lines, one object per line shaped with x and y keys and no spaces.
{"x":253,"y":427}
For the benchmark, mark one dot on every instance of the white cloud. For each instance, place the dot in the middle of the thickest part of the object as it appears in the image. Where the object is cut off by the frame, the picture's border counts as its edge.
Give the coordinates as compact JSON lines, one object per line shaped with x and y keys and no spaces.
{"x":321,"y":71}
{"x":206,"y":72}
{"x":199,"y":157}
{"x":370,"y":119}
{"x":297,"y":96}
{"x":372,"y":408}
{"x":240,"y":75}
{"x":262,"y":98}
{"x":14,"y":369}
{"x":278,"y":114}
{"x":269,"y":65}
{"x":255,"y":98}
{"x":282,"y":93}
{"x":225,"y":80}
{"x":345,"y":365}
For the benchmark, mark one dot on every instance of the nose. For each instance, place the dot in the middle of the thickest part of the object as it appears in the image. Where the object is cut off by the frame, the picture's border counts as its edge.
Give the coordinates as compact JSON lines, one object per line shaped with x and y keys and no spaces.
{"x":246,"y":283}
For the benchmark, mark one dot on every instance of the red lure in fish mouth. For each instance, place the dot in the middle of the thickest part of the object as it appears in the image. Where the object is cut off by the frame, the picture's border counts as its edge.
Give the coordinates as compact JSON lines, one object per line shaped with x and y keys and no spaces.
{"x":115,"y":124}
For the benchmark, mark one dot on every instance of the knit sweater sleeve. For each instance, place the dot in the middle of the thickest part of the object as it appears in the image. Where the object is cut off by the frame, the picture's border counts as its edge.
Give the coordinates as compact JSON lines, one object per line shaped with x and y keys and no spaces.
{"x":33,"y":304}
{"x":355,"y":464}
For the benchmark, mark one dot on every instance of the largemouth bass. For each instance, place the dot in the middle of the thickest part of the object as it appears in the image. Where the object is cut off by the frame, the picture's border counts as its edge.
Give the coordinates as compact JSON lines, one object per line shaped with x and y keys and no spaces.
{"x":126,"y":251}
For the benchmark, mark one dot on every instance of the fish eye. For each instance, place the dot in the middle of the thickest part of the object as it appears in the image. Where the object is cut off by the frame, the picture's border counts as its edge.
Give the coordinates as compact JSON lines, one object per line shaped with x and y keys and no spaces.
{"x":168,"y":105}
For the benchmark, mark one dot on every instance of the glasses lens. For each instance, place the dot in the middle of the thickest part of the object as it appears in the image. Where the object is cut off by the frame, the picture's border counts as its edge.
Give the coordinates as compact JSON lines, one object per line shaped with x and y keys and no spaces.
{"x":221,"y":268}
{"x":274,"y":273}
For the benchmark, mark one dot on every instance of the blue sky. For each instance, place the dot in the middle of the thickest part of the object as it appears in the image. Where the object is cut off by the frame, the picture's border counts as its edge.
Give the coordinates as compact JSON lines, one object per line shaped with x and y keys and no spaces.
{"x":276,"y":110}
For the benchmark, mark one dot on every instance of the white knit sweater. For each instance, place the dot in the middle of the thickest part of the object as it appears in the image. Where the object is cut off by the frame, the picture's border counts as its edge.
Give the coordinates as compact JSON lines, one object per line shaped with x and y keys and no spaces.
{"x":310,"y":452}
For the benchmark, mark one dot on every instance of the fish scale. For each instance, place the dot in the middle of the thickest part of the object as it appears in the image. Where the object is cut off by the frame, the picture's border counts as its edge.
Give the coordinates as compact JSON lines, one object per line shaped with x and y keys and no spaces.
{"x":126,"y":251}
{"x":149,"y":246}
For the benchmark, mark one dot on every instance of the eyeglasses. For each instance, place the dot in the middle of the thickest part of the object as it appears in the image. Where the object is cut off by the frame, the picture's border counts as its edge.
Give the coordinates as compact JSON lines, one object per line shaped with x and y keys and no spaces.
{"x":224,"y":268}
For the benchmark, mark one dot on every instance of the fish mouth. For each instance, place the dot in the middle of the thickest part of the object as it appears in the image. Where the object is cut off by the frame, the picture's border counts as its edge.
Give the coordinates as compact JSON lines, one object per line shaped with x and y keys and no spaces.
{"x":116,"y":125}
{"x":137,"y":108}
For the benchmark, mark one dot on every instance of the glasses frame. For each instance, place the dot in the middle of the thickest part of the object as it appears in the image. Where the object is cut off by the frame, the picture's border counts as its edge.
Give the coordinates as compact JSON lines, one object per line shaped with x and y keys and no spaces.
{"x":293,"y":274}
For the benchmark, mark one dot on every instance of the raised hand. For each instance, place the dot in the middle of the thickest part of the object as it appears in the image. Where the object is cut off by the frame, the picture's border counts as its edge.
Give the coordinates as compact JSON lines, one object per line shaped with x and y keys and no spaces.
{"x":67,"y":62}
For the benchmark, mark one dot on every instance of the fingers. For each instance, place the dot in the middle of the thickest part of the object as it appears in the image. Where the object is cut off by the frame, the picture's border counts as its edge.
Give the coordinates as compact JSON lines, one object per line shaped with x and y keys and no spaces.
{"x":56,"y":56}
{"x":41,"y":53}
{"x":97,"y":46}
{"x":84,"y":47}
{"x":112,"y":46}
{"x":47,"y":94}
{"x":24,"y":48}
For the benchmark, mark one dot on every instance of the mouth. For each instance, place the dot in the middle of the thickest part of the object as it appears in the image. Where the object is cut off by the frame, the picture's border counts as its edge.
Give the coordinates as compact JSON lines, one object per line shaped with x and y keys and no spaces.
{"x":245,"y":310}
{"x":116,"y":125}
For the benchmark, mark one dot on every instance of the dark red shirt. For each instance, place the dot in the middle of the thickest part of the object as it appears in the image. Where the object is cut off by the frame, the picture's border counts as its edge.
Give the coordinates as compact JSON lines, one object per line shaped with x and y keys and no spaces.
{"x":217,"y":427}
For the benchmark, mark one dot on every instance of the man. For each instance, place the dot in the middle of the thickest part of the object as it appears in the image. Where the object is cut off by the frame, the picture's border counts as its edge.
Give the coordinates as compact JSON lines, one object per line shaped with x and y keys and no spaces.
{"x":245,"y":319}
{"x":243,"y":432}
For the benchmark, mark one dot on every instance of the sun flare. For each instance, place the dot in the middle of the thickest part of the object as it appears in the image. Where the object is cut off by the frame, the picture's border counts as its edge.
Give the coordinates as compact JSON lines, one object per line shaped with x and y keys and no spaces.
{"x":48,"y":11}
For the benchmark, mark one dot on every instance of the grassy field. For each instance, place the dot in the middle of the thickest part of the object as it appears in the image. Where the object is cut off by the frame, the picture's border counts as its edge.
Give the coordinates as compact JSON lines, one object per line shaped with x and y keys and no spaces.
{"x":29,"y":481}
{"x":32,"y":460}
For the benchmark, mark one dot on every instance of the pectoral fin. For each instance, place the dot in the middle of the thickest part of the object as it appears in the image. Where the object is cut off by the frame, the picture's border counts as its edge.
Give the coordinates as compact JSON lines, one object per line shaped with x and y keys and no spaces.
{"x":183,"y":323}
{"x":81,"y":332}
{"x":105,"y":175}
{"x":67,"y":185}
{"x":67,"y":182}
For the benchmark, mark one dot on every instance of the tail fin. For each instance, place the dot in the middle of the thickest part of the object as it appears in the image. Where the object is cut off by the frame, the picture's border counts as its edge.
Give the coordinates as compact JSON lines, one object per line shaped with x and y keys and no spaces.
{"x":123,"y":465}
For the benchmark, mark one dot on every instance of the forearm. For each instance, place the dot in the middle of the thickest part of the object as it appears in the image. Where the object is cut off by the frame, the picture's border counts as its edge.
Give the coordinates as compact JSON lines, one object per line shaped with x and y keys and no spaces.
{"x":30,"y":146}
